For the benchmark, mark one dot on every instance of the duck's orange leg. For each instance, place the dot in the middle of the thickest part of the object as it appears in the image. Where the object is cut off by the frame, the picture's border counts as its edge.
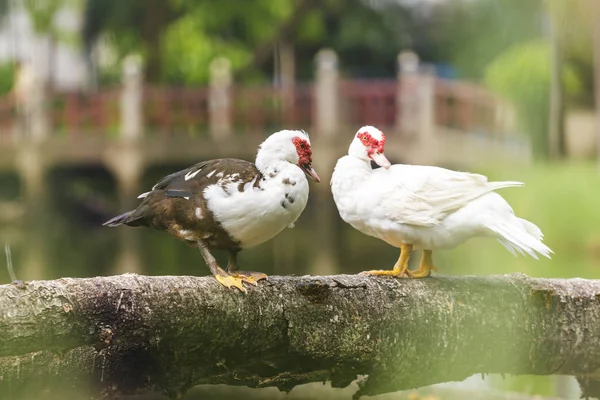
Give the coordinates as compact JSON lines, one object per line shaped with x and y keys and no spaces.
{"x":400,"y":268}
{"x":250,"y":277}
{"x":425,"y":267}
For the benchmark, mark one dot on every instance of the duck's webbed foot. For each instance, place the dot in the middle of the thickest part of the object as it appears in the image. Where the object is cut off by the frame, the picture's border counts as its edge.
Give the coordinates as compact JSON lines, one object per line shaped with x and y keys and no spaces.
{"x":425,"y":267}
{"x":400,"y":268}
{"x":397,"y":273}
{"x":250,"y":277}
{"x":230,"y":281}
{"x":223,"y":277}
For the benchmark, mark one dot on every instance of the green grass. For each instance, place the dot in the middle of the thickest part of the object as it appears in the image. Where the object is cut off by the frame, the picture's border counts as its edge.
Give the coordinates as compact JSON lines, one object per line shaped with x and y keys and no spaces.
{"x":562,"y":200}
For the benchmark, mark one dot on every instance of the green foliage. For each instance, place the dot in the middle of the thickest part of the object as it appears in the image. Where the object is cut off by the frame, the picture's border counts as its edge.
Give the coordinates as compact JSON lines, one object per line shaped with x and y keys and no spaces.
{"x":472,"y":33}
{"x":559,"y":198}
{"x":190,"y":33}
{"x":207,"y":30}
{"x":576,"y":41}
{"x":521,"y":74}
{"x":4,"y":7}
{"x":7,"y":75}
{"x":42,"y":13}
{"x":368,"y":39}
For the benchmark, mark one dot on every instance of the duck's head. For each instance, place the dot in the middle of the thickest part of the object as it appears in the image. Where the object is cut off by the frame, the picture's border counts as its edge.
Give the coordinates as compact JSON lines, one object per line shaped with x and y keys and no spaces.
{"x":288,"y":146}
{"x":368,"y":145}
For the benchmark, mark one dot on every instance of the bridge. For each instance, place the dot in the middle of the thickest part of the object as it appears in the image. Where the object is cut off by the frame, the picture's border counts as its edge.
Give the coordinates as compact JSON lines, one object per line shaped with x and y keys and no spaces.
{"x":128,"y":128}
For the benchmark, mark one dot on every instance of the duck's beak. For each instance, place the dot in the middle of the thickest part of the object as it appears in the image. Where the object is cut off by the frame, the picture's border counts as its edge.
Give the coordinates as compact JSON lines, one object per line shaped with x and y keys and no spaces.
{"x":310,"y":172}
{"x":381,"y":160}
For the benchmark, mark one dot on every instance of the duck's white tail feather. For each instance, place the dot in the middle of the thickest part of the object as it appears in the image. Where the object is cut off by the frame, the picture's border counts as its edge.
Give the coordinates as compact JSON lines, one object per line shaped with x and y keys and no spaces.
{"x":517,"y":234}
{"x":503,"y":184}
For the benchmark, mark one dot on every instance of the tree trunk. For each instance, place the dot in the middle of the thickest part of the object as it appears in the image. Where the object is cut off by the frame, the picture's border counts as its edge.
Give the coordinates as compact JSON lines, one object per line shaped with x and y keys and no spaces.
{"x":556,"y":134}
{"x":139,"y":334}
{"x":157,"y":16}
{"x":595,"y":10}
{"x":285,"y":33}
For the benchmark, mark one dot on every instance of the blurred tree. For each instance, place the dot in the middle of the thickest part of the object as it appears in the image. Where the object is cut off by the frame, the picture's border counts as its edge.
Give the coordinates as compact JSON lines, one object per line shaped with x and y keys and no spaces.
{"x":367,"y":35}
{"x":7,"y":75}
{"x":131,"y":27}
{"x":178,"y":38}
{"x":521,"y":74}
{"x":42,"y":14}
{"x":575,"y":40}
{"x":4,"y":9}
{"x":208,"y":29}
{"x":472,"y":33}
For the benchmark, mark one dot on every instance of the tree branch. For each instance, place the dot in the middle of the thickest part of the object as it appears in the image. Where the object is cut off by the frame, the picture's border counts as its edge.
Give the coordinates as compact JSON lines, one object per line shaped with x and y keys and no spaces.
{"x":140,"y":334}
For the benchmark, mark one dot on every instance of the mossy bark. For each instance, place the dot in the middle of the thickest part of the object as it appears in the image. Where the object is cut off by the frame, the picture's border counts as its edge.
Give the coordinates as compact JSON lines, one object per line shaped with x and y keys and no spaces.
{"x":133,"y":334}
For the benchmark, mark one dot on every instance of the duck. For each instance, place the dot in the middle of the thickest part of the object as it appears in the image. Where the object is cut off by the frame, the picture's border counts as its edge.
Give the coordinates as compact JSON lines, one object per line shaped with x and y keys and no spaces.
{"x":231,"y":204}
{"x":427,"y":208}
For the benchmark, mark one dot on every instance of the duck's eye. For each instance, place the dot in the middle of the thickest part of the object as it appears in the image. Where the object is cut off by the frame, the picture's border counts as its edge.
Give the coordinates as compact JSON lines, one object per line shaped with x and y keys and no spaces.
{"x":364,"y":137}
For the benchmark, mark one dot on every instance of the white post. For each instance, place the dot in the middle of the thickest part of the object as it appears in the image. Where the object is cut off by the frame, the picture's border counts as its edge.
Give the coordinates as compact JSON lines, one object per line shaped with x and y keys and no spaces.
{"x":219,"y":98}
{"x":30,"y":96}
{"x":132,"y":120}
{"x":427,"y":124}
{"x":326,"y":93}
{"x":40,"y":128}
{"x":416,"y":97}
{"x":407,"y":122}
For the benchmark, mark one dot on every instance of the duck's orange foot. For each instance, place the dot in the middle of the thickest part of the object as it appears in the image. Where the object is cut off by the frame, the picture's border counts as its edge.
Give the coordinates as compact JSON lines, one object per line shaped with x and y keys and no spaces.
{"x":250,"y":277}
{"x":382,"y":272}
{"x":231,"y":282}
{"x":425,"y":267}
{"x":421,"y":272}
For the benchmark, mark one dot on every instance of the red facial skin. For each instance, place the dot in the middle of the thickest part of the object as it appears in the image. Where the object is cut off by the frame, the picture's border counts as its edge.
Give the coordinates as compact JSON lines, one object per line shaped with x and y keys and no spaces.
{"x":372,"y":145}
{"x":304,"y":151}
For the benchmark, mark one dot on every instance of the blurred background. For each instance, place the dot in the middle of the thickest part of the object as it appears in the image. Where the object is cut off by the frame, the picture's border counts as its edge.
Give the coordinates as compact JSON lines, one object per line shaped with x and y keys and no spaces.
{"x":101,"y":98}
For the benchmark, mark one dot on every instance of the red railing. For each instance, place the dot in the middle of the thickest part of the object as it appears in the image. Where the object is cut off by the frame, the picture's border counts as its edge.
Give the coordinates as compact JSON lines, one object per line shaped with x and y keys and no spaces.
{"x":77,"y":112}
{"x":175,"y":110}
{"x":369,"y":102}
{"x":263,"y":109}
{"x":465,"y":107}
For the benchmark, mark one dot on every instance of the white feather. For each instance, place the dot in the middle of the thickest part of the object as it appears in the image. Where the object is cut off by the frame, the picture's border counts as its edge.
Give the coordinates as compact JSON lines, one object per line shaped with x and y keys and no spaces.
{"x":429,"y":207}
{"x":191,"y":174}
{"x":254,"y":216}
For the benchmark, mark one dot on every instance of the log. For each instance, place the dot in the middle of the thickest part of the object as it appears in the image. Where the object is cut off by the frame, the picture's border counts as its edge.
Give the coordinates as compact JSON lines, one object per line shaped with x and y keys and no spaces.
{"x":132,"y":334}
{"x":317,"y":391}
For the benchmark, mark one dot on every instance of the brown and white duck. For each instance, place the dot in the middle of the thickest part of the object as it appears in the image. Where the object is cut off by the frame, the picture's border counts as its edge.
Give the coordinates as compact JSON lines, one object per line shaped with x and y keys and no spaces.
{"x":230,"y":204}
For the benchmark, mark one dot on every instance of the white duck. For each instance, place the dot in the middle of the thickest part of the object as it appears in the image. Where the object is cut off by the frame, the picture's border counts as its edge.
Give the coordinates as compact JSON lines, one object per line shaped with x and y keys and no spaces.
{"x":423,"y":207}
{"x":230,"y":204}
